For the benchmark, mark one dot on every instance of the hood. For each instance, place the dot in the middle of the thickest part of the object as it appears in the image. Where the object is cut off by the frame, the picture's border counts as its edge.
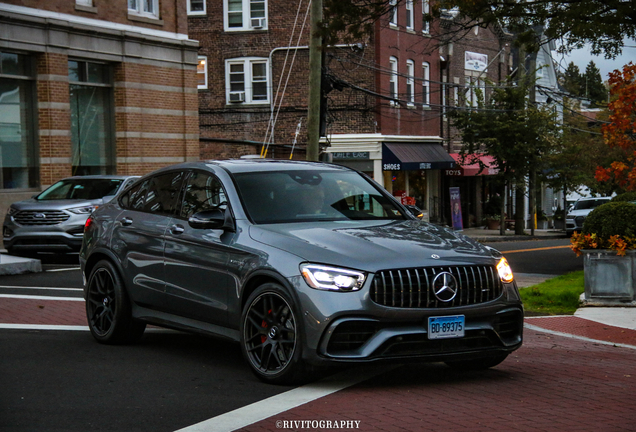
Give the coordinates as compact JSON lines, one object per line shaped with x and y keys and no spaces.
{"x":33,"y":204}
{"x":372,"y":245}
{"x":583,"y":212}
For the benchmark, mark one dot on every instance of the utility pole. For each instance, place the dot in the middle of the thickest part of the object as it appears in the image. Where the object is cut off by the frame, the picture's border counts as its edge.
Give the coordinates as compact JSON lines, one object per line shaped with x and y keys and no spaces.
{"x":315,"y":77}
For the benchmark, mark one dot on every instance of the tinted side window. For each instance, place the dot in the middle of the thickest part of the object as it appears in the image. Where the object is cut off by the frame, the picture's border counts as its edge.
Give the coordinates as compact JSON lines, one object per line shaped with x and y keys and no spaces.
{"x":163,"y":193}
{"x":157,"y":194}
{"x":202,"y":192}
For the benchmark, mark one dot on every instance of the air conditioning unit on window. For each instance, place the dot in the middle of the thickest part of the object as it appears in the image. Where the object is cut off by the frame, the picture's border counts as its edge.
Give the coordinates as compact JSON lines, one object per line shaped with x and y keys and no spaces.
{"x":257,"y":23}
{"x":237,"y":96}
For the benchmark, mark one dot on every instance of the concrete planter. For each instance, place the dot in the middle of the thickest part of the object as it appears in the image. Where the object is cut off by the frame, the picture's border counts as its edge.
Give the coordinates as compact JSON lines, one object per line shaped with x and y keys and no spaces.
{"x":609,"y":277}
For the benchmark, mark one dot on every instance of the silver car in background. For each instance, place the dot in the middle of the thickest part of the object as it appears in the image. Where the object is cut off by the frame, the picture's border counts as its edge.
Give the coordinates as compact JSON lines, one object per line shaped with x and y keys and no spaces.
{"x":53,"y":221}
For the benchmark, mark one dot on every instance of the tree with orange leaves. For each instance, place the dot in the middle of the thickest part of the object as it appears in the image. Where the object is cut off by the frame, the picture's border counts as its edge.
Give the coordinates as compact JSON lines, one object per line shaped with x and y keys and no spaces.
{"x":621,"y":131}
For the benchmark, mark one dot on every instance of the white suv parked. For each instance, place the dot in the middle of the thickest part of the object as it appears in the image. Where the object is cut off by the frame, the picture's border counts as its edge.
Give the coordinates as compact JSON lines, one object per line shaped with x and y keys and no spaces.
{"x":579,"y":211}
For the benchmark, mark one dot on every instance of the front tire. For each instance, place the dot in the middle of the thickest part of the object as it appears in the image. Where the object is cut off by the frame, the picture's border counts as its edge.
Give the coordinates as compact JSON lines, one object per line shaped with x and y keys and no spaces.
{"x":108,"y":308}
{"x":271,"y":337}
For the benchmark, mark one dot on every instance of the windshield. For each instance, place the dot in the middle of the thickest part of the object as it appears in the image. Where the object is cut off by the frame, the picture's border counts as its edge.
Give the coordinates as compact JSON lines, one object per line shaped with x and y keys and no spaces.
{"x":301,"y":196}
{"x":589,"y":204}
{"x":81,"y":189}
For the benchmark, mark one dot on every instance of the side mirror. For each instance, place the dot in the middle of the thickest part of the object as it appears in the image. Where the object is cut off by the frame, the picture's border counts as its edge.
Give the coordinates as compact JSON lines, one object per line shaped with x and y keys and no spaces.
{"x":212,"y":219}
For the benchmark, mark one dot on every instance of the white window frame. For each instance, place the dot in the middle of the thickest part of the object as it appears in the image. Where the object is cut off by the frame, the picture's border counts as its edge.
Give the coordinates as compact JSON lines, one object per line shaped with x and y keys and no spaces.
{"x":426,"y":84}
{"x":426,"y":25}
{"x":248,"y":79}
{"x":246,"y":16}
{"x":191,"y":12}
{"x":84,"y":2}
{"x":393,"y":19}
{"x":410,"y":82}
{"x":410,"y":18}
{"x":203,"y":59}
{"x":393,"y":79}
{"x":137,"y":7}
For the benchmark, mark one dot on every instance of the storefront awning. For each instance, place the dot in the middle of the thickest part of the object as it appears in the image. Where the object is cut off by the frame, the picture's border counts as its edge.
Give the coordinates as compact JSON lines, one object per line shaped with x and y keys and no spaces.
{"x":471,"y":165}
{"x":413,"y":157}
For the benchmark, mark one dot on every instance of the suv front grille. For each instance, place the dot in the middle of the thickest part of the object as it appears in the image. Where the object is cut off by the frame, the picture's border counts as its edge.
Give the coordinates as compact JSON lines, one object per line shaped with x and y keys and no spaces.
{"x":40,"y":217}
{"x":413,"y":288}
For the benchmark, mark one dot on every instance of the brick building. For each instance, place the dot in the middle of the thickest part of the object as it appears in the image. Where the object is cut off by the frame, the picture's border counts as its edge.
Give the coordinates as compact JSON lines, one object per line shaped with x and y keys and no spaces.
{"x":473,"y":61}
{"x":93,"y":87}
{"x":384,"y":114}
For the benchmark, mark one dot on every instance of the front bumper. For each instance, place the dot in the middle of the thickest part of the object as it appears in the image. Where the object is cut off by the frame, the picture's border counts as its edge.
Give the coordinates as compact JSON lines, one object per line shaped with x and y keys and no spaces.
{"x":352,"y":328}
{"x":59,"y":238}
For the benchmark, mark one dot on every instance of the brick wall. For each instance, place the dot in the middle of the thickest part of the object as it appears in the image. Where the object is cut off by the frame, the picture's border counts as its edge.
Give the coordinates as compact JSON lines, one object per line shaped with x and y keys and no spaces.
{"x":349,"y":111}
{"x":172,"y":14}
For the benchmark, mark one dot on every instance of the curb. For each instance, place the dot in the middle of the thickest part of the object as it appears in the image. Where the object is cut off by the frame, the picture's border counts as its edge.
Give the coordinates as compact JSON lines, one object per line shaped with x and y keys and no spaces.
{"x":12,"y":265}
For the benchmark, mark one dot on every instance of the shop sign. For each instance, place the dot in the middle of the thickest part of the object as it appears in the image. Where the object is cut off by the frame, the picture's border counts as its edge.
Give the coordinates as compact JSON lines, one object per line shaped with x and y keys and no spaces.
{"x":475,"y":61}
{"x":351,"y":155}
{"x":456,"y":209}
{"x":455,"y":172}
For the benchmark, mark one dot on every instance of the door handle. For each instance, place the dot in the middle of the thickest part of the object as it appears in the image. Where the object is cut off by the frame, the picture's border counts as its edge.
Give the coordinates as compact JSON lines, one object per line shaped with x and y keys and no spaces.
{"x":126,"y":221}
{"x":177,"y":229}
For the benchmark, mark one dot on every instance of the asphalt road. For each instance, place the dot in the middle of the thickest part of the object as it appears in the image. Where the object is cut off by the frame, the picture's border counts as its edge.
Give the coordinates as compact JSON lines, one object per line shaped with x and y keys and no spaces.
{"x":547,"y":257}
{"x":65,"y":381}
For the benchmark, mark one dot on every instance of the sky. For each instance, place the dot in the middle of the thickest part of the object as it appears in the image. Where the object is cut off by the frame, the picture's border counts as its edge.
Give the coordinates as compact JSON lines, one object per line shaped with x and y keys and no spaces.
{"x":582,"y":57}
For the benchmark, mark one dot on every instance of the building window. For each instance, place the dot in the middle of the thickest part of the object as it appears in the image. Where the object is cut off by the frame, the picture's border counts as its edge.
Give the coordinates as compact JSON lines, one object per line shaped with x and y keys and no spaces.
{"x":475,"y":91}
{"x":393,"y":83}
{"x":410,"y":82}
{"x":247,"y":80}
{"x":393,"y":13}
{"x":18,"y":157}
{"x":245,"y":15}
{"x":84,"y":2}
{"x":91,"y":118}
{"x":202,"y":72}
{"x":426,"y":84}
{"x":146,"y":8}
{"x":409,"y":14}
{"x":426,"y":26}
{"x":196,"y":7}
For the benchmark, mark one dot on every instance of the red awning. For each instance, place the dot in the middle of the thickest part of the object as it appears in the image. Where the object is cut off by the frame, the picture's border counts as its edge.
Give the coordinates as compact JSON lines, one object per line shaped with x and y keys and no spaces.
{"x":472,"y":169}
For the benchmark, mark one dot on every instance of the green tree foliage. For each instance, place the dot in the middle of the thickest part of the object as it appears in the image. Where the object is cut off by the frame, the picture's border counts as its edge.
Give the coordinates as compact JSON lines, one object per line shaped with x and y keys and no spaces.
{"x":516,"y":133}
{"x":603,"y":24}
{"x":571,"y":80}
{"x":595,"y":90}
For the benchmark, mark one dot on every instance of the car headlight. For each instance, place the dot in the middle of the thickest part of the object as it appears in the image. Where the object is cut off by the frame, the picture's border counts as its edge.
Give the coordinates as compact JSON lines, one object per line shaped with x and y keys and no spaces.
{"x":332,"y":278}
{"x":504,"y":270}
{"x":83,"y":210}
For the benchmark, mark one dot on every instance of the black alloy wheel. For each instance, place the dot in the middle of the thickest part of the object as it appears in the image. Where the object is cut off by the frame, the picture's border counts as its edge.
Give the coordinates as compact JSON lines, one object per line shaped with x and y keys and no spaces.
{"x":270,"y":335}
{"x":108,"y":309}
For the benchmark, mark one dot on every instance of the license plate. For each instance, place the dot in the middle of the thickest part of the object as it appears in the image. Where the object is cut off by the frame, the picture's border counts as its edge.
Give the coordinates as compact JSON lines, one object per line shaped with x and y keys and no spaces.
{"x":446,"y":327}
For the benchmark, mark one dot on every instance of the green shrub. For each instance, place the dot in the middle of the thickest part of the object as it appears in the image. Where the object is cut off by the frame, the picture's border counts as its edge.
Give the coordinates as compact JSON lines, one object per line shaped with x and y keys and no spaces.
{"x":613,"y":218}
{"x":627,"y":196}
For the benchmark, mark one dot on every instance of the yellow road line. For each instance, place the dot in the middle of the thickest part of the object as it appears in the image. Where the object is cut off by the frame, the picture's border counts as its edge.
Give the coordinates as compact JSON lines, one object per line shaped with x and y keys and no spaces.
{"x":536,"y":249}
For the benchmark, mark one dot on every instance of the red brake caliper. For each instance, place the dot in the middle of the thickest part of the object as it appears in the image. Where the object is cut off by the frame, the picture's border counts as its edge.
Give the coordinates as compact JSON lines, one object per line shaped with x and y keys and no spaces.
{"x":264,"y":325}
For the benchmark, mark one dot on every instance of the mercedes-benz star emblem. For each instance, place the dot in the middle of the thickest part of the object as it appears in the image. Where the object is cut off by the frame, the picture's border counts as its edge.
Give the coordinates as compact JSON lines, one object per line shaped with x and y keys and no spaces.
{"x":445,"y":287}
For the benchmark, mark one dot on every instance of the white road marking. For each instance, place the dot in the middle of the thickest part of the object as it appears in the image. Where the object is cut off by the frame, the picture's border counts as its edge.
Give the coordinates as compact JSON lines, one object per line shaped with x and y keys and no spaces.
{"x":40,"y":288}
{"x":571,"y":336}
{"x":42,"y":327}
{"x":30,"y":297}
{"x":62,"y":269}
{"x":274,"y":405}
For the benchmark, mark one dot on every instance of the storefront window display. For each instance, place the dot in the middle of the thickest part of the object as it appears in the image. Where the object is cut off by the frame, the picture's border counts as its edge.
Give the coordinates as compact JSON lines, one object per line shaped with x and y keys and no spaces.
{"x":18,"y":146}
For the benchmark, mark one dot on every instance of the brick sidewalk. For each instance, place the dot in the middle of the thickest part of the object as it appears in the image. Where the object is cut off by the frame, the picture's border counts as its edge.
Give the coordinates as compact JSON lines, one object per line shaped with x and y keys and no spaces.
{"x":44,"y":312}
{"x":585,"y":328}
